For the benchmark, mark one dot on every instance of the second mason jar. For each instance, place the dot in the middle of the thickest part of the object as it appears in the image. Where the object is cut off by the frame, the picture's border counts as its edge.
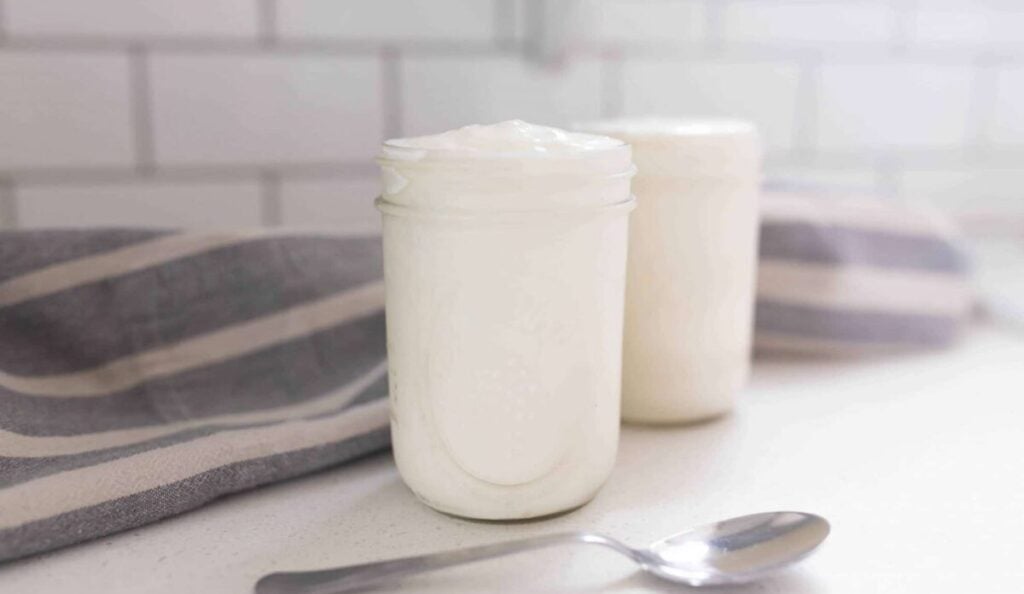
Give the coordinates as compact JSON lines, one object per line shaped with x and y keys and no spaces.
{"x":505,"y":260}
{"x":692,"y":257}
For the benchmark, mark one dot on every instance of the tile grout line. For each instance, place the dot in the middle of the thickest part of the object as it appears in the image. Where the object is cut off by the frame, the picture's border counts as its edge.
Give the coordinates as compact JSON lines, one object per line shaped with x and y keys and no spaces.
{"x":887,"y":177}
{"x":505,"y":13}
{"x":8,"y":204}
{"x":233,"y":46}
{"x":267,"y":22}
{"x":982,"y":107}
{"x":391,"y":92}
{"x":187,"y":173}
{"x":807,"y":106}
{"x":714,"y":26}
{"x":903,"y":26}
{"x":533,"y":21}
{"x":270,"y":199}
{"x":142,"y":111}
{"x":998,"y":157}
{"x":364,"y":48}
{"x":612,"y":85}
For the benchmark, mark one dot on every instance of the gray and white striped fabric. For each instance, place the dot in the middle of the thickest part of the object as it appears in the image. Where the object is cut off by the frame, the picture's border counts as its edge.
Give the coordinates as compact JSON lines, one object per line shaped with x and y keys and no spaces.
{"x":857,"y":275}
{"x":143,"y":373}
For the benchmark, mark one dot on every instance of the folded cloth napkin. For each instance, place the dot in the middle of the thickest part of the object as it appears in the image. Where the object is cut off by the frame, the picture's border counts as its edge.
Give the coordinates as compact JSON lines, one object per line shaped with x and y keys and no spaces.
{"x":145,"y":373}
{"x":856,"y":275}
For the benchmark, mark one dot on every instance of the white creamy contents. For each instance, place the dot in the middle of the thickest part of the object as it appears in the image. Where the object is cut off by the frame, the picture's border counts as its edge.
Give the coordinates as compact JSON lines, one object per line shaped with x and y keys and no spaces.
{"x":692,"y":259}
{"x":505,"y":324}
{"x":508,"y":166}
{"x":514,"y":138}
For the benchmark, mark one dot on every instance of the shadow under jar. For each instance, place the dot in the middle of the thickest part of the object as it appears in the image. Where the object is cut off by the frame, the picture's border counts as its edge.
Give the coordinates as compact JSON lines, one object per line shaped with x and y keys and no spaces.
{"x":505,"y":258}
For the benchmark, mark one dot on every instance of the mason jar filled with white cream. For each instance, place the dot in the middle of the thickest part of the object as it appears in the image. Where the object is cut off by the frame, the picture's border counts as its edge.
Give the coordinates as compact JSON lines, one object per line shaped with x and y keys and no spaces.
{"x":692,"y":265}
{"x":505,"y":261}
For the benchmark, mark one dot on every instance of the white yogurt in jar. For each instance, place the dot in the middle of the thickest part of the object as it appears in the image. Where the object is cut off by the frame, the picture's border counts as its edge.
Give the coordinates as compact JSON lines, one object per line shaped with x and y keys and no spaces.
{"x":692,"y":264}
{"x":505,"y":252}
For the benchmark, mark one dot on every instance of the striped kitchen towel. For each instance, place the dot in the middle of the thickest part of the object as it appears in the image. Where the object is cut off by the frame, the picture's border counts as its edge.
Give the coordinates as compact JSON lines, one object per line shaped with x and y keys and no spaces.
{"x":857,"y":275}
{"x":144,"y":373}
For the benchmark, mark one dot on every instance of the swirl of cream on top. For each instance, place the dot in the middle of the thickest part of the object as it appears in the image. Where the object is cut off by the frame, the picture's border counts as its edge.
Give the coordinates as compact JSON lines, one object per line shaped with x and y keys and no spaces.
{"x":512,"y":138}
{"x":514,"y":163}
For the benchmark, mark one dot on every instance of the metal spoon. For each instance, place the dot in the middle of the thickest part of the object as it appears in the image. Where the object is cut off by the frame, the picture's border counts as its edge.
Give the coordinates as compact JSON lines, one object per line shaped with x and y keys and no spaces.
{"x":728,"y":552}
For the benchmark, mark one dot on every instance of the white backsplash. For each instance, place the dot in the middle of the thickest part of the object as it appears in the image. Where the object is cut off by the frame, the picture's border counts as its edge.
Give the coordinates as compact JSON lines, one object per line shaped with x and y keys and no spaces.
{"x":267,"y":112}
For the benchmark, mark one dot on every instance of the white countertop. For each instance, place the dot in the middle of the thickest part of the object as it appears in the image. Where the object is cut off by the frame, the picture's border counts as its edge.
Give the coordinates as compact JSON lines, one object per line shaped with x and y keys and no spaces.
{"x":918,"y":461}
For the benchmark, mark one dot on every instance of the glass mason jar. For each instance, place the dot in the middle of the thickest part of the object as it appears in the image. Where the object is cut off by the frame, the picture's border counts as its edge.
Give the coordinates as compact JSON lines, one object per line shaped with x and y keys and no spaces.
{"x":505,"y":282}
{"x":692,"y":266}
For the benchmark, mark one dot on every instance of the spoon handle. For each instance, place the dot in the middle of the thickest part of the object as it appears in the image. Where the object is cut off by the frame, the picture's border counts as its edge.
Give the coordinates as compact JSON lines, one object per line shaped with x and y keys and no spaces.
{"x":342,"y":579}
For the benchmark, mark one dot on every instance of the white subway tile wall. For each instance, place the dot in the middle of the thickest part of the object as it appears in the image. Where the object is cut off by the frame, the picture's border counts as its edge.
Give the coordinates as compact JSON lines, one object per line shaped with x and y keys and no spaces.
{"x":641,"y":22}
{"x":1007,"y":123}
{"x":812,"y":23}
{"x":264,"y":108}
{"x":442,"y":93}
{"x":994,"y":24}
{"x":399,"y":20}
{"x":762,"y":91}
{"x":339,"y":204}
{"x":132,"y":19}
{"x":64,"y":110}
{"x":906,"y":105}
{"x":220,"y":113}
{"x":843,"y":179}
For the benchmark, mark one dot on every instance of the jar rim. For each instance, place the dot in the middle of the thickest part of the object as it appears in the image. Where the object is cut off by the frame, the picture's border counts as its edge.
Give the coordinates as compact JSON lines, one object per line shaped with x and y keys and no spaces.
{"x":560,"y":212}
{"x":650,"y":128}
{"x":394,"y":150}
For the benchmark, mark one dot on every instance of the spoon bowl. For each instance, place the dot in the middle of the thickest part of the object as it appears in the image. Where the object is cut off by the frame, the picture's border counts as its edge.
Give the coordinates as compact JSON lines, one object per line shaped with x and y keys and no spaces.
{"x":737,"y":550}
